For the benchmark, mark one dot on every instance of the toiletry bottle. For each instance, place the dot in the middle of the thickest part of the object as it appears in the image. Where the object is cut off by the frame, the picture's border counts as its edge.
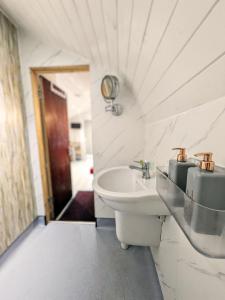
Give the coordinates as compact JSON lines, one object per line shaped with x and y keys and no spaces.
{"x":205,"y":186}
{"x":178,"y":168}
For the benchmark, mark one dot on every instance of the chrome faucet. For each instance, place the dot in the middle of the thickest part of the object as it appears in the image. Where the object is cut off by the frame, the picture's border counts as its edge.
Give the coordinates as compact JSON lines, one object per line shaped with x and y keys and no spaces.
{"x":145,"y":166}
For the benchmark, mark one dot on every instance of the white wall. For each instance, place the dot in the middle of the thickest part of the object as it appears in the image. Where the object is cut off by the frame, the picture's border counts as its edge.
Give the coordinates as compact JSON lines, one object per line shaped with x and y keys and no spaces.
{"x":175,"y":98}
{"x":185,"y":106}
{"x":88,"y":136}
{"x":35,"y":54}
{"x":116,"y":140}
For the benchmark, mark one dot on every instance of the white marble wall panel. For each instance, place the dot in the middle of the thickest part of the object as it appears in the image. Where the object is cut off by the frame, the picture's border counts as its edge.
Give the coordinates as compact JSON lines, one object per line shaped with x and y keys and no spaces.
{"x":184,"y":273}
{"x":116,"y":140}
{"x":199,"y":129}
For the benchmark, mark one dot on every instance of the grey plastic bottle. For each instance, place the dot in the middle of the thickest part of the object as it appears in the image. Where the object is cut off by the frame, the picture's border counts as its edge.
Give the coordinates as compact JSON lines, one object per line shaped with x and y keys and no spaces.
{"x":177,"y":172}
{"x":206,"y":186}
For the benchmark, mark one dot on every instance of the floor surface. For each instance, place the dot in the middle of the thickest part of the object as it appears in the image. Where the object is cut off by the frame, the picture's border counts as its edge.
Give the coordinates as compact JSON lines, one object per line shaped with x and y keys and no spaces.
{"x":72,"y":261}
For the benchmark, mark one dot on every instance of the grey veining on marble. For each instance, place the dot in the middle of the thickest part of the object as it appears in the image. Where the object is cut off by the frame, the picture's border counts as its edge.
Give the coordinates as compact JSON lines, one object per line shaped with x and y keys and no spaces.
{"x":180,"y":268}
{"x":17,"y":209}
{"x":211,"y":126}
{"x":198,"y":129}
{"x":80,"y":262}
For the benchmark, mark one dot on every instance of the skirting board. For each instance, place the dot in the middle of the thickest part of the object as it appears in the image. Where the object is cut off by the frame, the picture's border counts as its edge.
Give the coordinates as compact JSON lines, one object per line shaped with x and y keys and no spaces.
{"x":105,"y":222}
{"x":40,"y":220}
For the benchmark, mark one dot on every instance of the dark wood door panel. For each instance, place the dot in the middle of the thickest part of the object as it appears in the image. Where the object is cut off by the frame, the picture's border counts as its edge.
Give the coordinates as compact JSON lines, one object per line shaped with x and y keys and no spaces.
{"x":56,"y":124}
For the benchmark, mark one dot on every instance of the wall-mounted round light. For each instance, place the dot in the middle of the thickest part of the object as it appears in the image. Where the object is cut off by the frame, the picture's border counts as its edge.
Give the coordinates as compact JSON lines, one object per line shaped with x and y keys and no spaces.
{"x":110,"y":87}
{"x":110,"y":90}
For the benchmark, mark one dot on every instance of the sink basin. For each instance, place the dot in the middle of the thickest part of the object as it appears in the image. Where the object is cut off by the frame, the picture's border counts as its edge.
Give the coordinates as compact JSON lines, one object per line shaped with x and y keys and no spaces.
{"x":119,"y":180}
{"x":136,"y":203}
{"x":124,"y":189}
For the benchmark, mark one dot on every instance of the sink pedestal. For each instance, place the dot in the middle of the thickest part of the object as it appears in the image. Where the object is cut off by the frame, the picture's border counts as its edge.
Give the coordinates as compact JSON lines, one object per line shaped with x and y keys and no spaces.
{"x":139,"y":230}
{"x":124,"y":246}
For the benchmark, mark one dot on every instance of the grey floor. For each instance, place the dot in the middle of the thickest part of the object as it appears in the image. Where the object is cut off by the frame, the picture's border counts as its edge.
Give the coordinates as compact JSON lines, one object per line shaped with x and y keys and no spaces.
{"x":78,"y":262}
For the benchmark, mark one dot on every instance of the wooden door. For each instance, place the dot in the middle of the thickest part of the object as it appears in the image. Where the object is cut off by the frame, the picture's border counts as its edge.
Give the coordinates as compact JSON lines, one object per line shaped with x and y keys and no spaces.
{"x":57,"y":138}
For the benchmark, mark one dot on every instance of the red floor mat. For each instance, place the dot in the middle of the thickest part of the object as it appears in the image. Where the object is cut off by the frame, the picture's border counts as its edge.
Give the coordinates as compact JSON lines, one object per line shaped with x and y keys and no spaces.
{"x":81,"y":208}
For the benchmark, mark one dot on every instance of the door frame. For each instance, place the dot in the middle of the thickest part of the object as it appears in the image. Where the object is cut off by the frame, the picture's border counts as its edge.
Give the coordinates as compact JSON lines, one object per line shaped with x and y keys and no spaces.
{"x":41,"y":132}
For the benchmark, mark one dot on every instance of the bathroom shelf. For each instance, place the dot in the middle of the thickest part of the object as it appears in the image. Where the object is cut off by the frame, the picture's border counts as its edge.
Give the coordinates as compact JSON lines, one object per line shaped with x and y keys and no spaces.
{"x":204,"y":227}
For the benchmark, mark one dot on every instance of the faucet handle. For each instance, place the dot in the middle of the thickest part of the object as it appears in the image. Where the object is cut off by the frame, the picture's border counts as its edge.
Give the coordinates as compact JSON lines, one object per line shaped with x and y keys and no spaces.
{"x":142,"y":162}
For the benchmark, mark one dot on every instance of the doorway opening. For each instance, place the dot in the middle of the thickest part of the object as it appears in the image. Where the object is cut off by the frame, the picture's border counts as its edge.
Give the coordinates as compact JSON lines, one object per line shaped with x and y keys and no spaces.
{"x":64,"y":127}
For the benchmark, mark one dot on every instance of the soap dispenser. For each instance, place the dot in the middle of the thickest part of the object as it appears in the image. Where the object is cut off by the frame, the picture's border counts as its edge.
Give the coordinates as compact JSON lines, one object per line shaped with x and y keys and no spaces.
{"x":205,"y":186}
{"x":178,"y":168}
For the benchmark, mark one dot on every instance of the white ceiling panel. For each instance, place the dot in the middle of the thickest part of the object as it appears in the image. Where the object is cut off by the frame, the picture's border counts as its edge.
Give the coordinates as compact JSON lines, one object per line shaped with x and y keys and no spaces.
{"x":142,"y":40}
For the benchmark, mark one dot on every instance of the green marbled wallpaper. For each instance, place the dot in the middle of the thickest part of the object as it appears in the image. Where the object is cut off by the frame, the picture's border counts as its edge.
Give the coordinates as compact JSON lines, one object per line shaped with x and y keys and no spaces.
{"x":17,"y":208}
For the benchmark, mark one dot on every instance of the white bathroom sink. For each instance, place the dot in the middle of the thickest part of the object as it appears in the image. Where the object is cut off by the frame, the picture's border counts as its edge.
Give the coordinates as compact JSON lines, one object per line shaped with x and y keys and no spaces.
{"x":124,"y":189}
{"x":136,"y":203}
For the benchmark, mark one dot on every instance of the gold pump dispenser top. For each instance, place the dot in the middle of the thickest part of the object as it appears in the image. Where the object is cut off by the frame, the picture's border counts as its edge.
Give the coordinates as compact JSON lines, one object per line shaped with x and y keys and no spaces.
{"x":206,"y":163}
{"x":181,"y":156}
